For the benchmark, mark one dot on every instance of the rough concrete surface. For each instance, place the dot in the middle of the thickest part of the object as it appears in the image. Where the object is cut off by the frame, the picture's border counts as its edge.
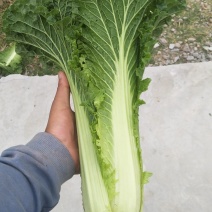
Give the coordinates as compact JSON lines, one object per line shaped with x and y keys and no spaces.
{"x":175,"y":128}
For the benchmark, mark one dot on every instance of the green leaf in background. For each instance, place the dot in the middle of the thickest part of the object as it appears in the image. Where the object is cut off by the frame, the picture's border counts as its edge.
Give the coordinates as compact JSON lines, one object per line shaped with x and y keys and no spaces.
{"x":10,"y":61}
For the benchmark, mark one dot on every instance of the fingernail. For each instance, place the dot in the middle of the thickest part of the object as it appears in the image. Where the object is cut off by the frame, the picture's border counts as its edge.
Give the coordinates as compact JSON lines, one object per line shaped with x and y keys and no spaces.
{"x":59,"y":75}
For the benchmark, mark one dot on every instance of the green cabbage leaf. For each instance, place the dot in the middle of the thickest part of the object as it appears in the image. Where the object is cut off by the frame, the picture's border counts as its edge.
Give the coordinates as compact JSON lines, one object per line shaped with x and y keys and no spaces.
{"x":103,"y":46}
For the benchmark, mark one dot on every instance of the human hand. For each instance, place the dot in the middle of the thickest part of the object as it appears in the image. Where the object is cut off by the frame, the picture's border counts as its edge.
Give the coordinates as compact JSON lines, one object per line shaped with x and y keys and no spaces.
{"x":62,"y":122}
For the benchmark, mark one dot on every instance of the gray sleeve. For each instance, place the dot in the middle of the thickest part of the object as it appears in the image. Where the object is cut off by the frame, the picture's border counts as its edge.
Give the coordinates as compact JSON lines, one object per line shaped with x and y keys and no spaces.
{"x":31,"y":175}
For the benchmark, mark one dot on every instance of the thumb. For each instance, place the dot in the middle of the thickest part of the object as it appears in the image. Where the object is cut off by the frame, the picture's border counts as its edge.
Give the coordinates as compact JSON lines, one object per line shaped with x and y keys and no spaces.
{"x":62,"y":97}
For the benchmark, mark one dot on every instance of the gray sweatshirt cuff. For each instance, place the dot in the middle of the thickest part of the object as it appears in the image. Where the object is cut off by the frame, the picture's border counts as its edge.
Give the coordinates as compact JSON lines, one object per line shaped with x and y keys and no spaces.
{"x":54,"y":153}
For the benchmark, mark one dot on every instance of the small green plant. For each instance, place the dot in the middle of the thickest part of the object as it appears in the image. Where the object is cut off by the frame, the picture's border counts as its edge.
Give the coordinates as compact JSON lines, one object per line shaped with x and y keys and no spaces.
{"x":10,"y":61}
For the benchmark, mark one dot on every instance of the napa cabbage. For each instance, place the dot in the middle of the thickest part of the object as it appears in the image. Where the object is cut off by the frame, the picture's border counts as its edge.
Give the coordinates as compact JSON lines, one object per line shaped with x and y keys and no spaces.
{"x":103,"y":47}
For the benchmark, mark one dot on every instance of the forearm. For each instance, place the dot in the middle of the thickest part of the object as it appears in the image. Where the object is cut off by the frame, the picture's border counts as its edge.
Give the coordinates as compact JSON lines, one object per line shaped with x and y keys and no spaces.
{"x":31,"y":175}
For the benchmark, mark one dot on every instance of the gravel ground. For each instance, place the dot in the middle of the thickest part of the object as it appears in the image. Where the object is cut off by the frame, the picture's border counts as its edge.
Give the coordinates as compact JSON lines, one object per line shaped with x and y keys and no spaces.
{"x":187,"y":38}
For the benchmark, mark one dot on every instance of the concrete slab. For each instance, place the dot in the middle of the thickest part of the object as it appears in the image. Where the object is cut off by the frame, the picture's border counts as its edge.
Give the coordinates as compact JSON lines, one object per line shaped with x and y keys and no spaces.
{"x":176,"y":133}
